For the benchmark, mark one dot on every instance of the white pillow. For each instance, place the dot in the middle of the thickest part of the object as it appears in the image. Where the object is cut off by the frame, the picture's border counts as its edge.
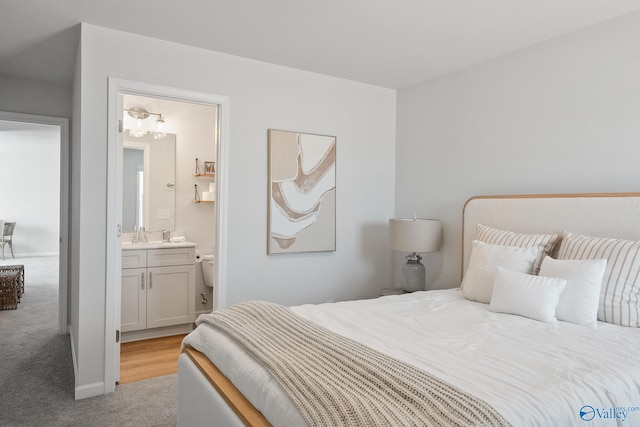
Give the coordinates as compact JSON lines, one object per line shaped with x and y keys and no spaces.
{"x":477,"y":283}
{"x":579,"y":301}
{"x":530,"y":296}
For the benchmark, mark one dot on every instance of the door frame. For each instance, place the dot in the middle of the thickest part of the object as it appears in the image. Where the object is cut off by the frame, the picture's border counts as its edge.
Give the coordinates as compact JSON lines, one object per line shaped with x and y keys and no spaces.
{"x":116,"y":88}
{"x":63,"y":269}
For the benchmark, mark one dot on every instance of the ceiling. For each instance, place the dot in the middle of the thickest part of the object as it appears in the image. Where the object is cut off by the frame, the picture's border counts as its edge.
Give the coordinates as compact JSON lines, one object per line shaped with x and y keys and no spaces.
{"x":388,"y":43}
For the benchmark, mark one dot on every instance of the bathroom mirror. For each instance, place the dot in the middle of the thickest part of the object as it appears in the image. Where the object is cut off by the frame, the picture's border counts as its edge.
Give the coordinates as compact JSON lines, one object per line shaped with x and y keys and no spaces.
{"x":148,"y":184}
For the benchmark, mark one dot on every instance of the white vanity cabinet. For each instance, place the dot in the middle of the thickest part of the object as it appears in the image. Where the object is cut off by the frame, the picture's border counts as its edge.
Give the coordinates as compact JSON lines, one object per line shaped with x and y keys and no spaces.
{"x":158,"y":292}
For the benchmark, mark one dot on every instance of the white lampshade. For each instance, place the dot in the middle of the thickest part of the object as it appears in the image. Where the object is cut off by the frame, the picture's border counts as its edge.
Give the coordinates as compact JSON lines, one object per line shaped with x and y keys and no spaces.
{"x":415,"y":235}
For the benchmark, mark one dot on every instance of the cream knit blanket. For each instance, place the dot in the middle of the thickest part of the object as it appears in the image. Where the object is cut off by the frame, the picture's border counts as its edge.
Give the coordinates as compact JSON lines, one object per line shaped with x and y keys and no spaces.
{"x":335,"y":381}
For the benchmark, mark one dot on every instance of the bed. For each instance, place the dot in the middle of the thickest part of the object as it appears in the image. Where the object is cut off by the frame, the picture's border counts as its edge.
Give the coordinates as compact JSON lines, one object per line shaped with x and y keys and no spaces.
{"x":522,"y":341}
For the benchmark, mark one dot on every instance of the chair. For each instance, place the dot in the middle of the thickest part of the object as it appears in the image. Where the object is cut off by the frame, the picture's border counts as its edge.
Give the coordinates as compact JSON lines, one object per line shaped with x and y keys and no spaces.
{"x":7,"y":237}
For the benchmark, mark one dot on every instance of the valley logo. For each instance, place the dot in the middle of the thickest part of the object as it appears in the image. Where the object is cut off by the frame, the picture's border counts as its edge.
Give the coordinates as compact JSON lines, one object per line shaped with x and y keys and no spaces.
{"x":589,"y":413}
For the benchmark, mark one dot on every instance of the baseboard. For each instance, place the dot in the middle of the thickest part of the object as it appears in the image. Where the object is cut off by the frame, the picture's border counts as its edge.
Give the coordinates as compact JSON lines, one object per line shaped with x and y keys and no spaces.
{"x":89,"y":390}
{"x":84,"y":391}
{"x":145,"y":334}
{"x":34,"y":254}
{"x":73,"y":356}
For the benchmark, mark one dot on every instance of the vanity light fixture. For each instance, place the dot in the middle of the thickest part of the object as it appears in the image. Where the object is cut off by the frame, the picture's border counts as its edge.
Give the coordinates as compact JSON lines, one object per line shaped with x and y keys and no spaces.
{"x":140,"y":114}
{"x":159,"y":130}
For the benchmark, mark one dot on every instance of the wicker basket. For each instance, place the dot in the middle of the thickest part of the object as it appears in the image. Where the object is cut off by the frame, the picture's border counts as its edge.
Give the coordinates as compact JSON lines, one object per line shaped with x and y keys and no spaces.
{"x":9,"y":289}
{"x":20,"y":270}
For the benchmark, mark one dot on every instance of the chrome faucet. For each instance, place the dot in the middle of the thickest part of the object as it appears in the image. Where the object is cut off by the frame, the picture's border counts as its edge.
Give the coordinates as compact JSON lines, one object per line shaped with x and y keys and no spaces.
{"x":142,"y":235}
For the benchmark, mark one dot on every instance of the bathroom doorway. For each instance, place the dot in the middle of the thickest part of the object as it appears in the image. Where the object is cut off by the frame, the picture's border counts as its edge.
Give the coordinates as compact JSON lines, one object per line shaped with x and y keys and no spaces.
{"x":183,"y":112}
{"x":160,"y":177}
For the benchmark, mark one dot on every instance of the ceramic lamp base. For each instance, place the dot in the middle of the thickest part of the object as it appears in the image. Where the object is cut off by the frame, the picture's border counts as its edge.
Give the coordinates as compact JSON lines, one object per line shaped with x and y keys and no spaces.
{"x":413,"y":274}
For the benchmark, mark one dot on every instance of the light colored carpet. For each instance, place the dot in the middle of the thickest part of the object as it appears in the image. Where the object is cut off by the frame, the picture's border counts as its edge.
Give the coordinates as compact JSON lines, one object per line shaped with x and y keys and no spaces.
{"x":36,"y":369}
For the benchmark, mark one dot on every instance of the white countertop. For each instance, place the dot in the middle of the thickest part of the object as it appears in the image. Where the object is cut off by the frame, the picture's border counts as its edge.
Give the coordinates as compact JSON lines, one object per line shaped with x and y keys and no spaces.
{"x":127,"y":246}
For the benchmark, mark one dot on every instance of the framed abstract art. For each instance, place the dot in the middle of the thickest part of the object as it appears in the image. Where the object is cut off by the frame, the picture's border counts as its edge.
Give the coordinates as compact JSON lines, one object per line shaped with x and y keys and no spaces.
{"x":302,"y":192}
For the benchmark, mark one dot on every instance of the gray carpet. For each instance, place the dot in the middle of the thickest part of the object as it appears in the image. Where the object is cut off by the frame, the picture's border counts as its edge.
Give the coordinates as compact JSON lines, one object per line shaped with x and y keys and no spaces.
{"x":36,"y":369}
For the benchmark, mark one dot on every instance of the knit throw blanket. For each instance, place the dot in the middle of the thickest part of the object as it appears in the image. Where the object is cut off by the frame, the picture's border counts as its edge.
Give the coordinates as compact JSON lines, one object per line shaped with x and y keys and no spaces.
{"x":336,"y":381}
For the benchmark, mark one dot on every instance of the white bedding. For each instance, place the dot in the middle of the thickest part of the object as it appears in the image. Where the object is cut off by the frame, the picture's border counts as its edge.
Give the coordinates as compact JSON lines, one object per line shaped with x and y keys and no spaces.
{"x":533,"y":373}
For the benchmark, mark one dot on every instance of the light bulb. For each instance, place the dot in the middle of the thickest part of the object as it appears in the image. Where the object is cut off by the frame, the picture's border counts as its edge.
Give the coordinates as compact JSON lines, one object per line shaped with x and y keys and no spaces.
{"x":159,"y":130}
{"x":138,"y":131}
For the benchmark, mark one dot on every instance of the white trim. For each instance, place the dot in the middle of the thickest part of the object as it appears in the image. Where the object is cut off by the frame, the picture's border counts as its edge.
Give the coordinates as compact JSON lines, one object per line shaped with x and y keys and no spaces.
{"x":89,"y":390}
{"x":73,"y":356}
{"x":34,"y":254}
{"x":221,"y":205}
{"x":63,"y":275}
{"x":166,"y":331}
{"x":113,"y":259}
{"x":116,"y":88}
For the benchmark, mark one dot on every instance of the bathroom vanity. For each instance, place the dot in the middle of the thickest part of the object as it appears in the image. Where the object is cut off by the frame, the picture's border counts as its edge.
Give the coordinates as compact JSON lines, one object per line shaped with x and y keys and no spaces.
{"x":158,"y":289}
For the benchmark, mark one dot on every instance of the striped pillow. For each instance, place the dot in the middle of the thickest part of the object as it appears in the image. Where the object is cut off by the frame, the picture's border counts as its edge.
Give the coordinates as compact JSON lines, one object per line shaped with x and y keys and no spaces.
{"x":620,"y":291}
{"x":547,"y":242}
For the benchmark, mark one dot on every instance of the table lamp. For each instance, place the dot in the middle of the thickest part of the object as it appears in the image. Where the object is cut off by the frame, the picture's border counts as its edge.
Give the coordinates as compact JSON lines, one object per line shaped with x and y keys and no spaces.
{"x":414,"y":235}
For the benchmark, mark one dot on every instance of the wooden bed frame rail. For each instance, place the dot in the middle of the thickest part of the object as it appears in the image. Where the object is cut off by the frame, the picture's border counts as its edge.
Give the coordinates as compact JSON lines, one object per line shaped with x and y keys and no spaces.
{"x":246,"y":412}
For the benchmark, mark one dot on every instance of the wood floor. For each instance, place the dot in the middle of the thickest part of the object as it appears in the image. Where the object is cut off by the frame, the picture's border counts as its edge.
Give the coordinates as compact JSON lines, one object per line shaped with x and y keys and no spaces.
{"x":145,"y":359}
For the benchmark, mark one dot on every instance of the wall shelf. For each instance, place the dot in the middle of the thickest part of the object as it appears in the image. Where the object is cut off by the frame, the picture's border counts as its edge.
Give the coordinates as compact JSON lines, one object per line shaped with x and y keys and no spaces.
{"x":204,"y":201}
{"x":206,"y":175}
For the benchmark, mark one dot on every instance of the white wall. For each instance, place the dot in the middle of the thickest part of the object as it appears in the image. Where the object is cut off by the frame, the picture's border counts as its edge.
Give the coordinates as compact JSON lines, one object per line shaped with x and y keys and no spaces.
{"x":562,"y":116}
{"x":34,"y":97}
{"x":261,"y":96}
{"x":30,"y":187}
{"x":196,"y":129}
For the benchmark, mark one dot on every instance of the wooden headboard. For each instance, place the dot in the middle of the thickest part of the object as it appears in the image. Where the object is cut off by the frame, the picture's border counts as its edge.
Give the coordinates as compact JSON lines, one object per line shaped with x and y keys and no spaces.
{"x":597,"y":214}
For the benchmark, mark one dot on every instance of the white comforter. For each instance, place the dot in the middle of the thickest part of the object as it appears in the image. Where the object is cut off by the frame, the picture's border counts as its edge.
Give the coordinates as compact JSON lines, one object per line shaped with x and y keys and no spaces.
{"x":533,"y":373}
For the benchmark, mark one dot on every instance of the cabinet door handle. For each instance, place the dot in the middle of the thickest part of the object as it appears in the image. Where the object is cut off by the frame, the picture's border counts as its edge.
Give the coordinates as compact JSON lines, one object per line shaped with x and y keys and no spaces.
{"x":142,"y":281}
{"x":150,"y":281}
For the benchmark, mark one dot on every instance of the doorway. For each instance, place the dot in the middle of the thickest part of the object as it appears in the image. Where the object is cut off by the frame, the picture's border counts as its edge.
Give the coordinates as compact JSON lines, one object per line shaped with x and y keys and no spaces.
{"x":118,"y":89}
{"x":42,"y":236}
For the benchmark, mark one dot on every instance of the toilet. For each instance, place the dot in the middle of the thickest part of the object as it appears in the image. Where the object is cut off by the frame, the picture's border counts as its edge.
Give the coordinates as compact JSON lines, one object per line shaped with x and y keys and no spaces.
{"x":208,"y":265}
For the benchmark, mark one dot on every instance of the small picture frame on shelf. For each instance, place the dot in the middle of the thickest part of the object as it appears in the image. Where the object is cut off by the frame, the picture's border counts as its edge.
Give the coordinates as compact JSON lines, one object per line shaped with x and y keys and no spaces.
{"x":209,"y":168}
